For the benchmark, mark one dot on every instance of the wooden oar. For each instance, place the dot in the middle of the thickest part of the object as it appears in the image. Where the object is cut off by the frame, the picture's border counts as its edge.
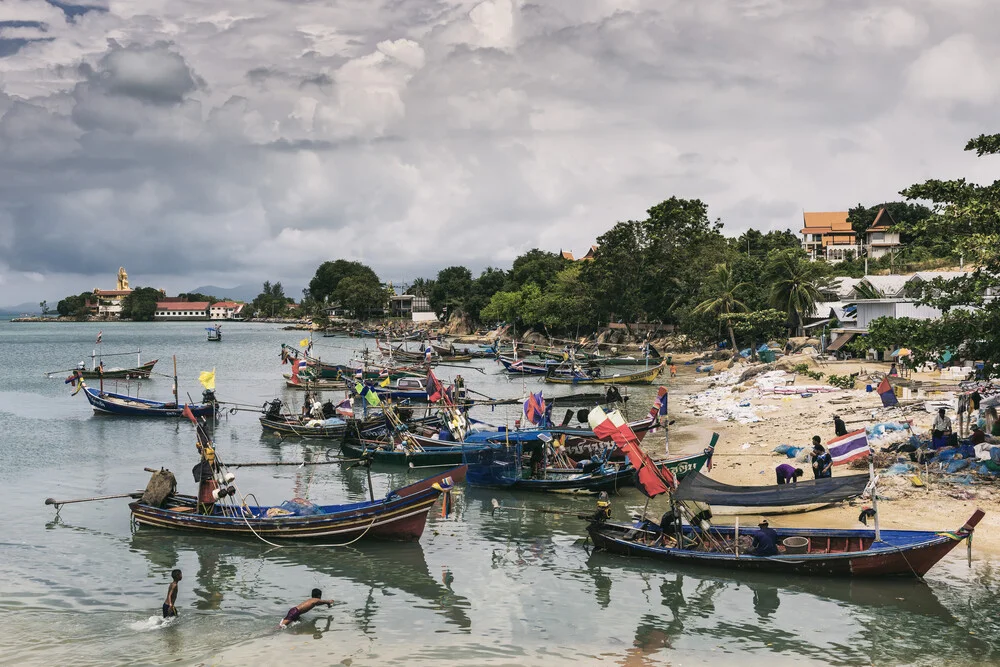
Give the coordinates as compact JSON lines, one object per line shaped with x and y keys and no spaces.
{"x":497,"y":506}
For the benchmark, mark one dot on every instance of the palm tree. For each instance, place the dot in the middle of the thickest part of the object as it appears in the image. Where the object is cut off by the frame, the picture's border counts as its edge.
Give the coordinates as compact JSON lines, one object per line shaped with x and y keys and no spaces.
{"x":722,"y":285}
{"x":797,"y":285}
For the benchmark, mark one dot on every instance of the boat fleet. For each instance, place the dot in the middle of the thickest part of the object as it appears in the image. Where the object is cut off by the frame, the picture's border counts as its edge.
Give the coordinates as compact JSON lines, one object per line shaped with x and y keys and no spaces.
{"x":393,"y":410}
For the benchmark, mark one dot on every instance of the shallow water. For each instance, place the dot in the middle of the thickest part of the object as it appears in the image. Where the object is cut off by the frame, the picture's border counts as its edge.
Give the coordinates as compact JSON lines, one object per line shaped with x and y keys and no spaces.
{"x":83,"y":588}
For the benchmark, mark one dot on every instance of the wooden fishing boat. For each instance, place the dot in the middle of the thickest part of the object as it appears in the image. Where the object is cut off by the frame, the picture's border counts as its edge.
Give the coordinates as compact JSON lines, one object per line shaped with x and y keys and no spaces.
{"x":214,"y":333}
{"x":288,"y":426}
{"x":730,"y":500}
{"x":827,"y":552}
{"x":100,"y":372}
{"x":522,"y":367}
{"x":500,"y":467}
{"x":425,"y":457}
{"x":401,"y":515}
{"x":596,"y":376}
{"x":105,"y":402}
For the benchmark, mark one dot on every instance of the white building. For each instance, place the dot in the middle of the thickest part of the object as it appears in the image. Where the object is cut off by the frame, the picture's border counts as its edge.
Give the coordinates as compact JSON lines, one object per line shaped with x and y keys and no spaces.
{"x":181,"y":310}
{"x":226,"y":310}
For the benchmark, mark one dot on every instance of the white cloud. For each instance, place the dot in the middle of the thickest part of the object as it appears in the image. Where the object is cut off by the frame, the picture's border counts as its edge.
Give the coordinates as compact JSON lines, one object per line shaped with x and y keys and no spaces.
{"x":954,"y":71}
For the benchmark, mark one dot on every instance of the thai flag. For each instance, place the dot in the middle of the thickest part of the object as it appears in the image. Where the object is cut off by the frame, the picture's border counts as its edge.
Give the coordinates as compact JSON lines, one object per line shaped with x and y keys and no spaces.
{"x":517,"y":365}
{"x":660,"y":404}
{"x":888,"y":395}
{"x":534,"y":408}
{"x":848,"y":447}
{"x":99,"y":334}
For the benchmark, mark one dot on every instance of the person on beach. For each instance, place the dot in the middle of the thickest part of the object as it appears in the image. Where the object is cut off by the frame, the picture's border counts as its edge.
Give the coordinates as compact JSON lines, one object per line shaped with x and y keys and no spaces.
{"x":787,"y":474}
{"x":839,"y":427}
{"x":822,"y":462}
{"x":978,"y":436}
{"x":673,"y":370}
{"x":169,"y":610}
{"x":296,"y":612}
{"x":765,"y":541}
{"x":940,"y":430}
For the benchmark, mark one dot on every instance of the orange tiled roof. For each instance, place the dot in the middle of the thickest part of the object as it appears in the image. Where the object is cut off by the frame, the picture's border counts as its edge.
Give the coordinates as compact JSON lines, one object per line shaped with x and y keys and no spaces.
{"x":826,"y":223}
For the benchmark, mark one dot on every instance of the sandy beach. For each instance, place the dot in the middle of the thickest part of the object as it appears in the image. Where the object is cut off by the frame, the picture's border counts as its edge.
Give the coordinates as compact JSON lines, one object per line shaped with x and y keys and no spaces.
{"x":744,"y":452}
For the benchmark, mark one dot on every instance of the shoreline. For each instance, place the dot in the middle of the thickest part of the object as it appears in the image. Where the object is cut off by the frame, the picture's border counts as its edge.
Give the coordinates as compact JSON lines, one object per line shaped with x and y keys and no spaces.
{"x":743,"y":455}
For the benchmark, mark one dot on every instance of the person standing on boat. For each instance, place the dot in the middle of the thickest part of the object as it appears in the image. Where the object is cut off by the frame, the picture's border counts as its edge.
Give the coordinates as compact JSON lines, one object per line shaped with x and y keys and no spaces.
{"x":787,"y":474}
{"x":822,"y":462}
{"x":839,"y":427}
{"x":765,"y":541}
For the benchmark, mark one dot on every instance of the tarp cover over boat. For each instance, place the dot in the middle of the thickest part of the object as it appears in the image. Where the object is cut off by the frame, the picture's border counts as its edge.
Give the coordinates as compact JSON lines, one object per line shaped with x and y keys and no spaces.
{"x":700,"y":488}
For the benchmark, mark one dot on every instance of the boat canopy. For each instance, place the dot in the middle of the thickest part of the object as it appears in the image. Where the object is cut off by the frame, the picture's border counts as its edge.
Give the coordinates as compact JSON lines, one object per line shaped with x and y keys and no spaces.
{"x":700,"y":488}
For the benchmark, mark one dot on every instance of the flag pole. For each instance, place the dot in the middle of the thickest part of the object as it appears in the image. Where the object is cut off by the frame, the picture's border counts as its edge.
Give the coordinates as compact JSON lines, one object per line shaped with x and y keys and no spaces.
{"x":871,"y":482}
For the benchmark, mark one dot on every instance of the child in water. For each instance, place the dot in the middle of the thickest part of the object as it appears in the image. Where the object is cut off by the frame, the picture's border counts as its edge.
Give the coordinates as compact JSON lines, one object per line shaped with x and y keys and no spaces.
{"x":295,"y":612}
{"x":169,"y":610}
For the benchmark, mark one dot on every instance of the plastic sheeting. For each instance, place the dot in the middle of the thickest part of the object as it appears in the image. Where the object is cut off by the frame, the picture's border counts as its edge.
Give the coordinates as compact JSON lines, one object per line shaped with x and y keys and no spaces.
{"x":700,"y":488}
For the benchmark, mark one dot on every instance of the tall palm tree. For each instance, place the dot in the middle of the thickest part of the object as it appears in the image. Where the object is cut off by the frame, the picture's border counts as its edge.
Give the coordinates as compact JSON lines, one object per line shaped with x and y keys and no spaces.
{"x":723,"y":287}
{"x":797,"y":285}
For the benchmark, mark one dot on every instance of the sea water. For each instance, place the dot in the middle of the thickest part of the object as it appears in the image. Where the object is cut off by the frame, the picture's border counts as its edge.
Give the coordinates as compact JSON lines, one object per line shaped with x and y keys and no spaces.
{"x":83,"y":587}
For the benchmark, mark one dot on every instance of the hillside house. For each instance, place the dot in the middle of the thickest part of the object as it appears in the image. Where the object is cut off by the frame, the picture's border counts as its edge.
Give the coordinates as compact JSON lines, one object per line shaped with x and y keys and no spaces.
{"x":828,"y":236}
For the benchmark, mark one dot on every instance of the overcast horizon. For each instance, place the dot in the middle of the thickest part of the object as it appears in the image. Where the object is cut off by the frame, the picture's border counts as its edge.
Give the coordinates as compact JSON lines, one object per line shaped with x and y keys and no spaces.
{"x":198,"y":144}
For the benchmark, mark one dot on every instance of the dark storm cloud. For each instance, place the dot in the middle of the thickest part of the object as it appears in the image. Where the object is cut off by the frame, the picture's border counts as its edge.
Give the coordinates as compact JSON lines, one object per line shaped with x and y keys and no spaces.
{"x":249,"y":141}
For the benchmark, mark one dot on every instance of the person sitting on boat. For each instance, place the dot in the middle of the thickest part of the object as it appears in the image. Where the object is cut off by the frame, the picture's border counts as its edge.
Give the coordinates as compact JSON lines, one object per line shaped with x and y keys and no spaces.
{"x":296,"y":612}
{"x":822,"y":462}
{"x":940,"y":430}
{"x":593,"y":464}
{"x":787,"y":474}
{"x":765,"y":541}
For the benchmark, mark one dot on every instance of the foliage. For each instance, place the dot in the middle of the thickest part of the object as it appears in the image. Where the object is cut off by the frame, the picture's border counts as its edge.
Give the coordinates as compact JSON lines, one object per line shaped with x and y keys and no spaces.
{"x":44,"y":306}
{"x":362,"y":296}
{"x":803,"y":369}
{"x":967,"y":215}
{"x":483,"y":288}
{"x":842,"y":381}
{"x":900,"y":216}
{"x":650,"y":269}
{"x":75,"y":306}
{"x":450,"y":290}
{"x":756,"y":326}
{"x":796,"y":285}
{"x":420,"y":287}
{"x":329,"y":275}
{"x":271,"y":302}
{"x":722,"y":291}
{"x":535,"y":266}
{"x":193,"y":297}
{"x":754,"y":244}
{"x":140,"y":304}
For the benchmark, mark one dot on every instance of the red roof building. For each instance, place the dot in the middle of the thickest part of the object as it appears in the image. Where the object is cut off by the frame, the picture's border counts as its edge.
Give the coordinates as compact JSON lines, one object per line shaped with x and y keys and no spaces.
{"x":181,"y":310}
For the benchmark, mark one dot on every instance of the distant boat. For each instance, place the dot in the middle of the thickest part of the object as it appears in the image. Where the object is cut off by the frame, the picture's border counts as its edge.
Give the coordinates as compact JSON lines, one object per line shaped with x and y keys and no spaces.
{"x":214,"y":333}
{"x":595,"y":376}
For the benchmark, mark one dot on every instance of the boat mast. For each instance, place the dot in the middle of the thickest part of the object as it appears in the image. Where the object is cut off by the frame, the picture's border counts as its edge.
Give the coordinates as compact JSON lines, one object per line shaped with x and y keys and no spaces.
{"x":177,"y":401}
{"x":872,"y":481}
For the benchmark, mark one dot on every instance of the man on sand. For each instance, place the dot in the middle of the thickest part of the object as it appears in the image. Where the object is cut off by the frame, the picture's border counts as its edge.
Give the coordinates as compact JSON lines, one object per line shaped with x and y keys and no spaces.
{"x":822,"y":462}
{"x":787,"y":474}
{"x":839,"y":427}
{"x":169,"y":610}
{"x":296,"y":612}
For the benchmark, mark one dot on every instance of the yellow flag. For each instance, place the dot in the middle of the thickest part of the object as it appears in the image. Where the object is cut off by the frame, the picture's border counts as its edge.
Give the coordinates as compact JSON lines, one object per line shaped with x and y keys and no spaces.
{"x":207,"y":379}
{"x":304,"y":342}
{"x":384,"y":383}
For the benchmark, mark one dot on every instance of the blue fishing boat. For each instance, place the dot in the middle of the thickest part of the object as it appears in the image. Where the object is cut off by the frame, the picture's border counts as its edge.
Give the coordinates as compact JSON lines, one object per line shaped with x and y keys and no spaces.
{"x":106,"y":402}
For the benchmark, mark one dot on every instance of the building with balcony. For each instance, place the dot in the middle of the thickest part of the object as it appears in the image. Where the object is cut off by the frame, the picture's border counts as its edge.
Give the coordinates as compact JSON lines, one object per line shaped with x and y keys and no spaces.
{"x":828,"y":236}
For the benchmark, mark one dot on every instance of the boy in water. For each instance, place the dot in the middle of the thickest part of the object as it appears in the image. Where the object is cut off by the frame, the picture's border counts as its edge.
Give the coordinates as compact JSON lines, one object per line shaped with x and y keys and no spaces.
{"x":169,"y":609}
{"x":296,"y":612}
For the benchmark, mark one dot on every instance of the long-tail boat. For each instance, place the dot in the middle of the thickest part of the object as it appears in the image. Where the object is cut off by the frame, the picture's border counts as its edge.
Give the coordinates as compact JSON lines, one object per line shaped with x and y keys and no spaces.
{"x":110,"y":403}
{"x":596,"y":376}
{"x":99,"y":372}
{"x":827,"y":552}
{"x":221,"y":508}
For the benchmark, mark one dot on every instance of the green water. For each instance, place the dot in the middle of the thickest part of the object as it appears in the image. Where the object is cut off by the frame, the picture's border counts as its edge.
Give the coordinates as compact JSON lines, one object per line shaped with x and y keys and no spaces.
{"x":515,"y":589}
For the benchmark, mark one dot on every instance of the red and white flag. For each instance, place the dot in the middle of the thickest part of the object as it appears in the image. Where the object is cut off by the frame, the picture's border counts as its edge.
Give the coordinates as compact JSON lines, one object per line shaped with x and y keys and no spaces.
{"x":99,"y":334}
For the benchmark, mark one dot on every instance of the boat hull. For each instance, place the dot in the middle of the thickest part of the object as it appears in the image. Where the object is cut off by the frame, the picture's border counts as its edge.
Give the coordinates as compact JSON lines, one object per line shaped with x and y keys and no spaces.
{"x":143,"y":371}
{"x":297,"y":430}
{"x":130,"y":406}
{"x":430,"y":457}
{"x":901,"y":553}
{"x":641,"y":377}
{"x":401,"y":515}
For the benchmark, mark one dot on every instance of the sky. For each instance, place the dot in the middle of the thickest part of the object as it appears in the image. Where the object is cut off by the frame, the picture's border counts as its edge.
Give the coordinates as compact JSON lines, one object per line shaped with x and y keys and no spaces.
{"x":198,"y":142}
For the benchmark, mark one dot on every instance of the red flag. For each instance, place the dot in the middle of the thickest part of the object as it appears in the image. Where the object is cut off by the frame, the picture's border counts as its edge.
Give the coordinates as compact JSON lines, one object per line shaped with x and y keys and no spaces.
{"x":99,"y":334}
{"x":190,"y":415}
{"x":651,"y":480}
{"x":295,"y":371}
{"x":435,"y":392}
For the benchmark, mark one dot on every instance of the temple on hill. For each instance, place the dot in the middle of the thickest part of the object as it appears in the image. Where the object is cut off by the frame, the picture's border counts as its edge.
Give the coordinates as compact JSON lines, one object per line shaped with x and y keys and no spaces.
{"x":109,"y":301}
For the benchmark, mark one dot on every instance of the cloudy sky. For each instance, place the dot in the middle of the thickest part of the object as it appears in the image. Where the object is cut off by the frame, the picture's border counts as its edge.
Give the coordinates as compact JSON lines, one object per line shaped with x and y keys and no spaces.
{"x":205,"y":142}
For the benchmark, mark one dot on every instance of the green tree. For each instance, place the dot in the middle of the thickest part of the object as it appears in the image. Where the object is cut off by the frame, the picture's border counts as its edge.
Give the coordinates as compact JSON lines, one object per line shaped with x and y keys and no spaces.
{"x":140,"y":304}
{"x":329,"y":275}
{"x":44,"y":306}
{"x":483,"y":288}
{"x":967,"y":215}
{"x":193,"y":297}
{"x":420,"y":287}
{"x":75,"y":306}
{"x":796,"y":286}
{"x":723,"y":291}
{"x":900,"y":214}
{"x":536,"y":266}
{"x":566,"y":304}
{"x":362,"y":296}
{"x":450,"y":290}
{"x":757,"y":327}
{"x":752,"y":243}
{"x":271,"y":302}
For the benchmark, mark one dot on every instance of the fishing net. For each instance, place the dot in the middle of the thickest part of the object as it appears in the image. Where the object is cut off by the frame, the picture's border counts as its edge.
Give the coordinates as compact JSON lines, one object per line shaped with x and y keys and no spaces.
{"x":162,"y":484}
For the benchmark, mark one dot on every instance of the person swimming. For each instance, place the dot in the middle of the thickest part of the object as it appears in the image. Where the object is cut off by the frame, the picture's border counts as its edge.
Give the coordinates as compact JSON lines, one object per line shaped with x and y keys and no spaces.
{"x":296,"y":612}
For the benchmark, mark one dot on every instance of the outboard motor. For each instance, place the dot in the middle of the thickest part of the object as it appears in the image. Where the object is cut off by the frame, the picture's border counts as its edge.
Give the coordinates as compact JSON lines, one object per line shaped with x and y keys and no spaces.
{"x":272,"y":409}
{"x":208,"y":396}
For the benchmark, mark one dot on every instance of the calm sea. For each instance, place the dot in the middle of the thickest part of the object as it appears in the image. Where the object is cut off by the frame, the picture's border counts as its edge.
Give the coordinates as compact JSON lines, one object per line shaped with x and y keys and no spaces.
{"x":84,"y":588}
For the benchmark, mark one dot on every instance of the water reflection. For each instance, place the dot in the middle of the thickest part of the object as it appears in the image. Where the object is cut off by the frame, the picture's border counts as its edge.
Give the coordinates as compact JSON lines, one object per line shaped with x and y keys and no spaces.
{"x":382,"y":567}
